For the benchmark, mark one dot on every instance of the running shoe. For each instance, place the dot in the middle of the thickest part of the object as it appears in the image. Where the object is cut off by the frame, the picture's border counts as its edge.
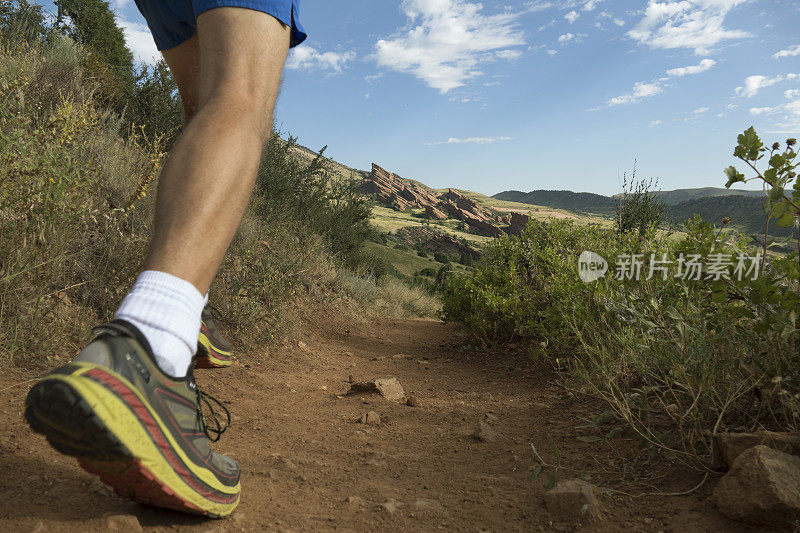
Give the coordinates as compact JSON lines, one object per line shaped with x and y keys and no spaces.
{"x":141,"y":431}
{"x":213,"y":350}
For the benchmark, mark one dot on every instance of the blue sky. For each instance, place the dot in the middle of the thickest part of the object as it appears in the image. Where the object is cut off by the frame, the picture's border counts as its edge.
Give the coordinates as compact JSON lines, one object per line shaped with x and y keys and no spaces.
{"x":542,"y":94}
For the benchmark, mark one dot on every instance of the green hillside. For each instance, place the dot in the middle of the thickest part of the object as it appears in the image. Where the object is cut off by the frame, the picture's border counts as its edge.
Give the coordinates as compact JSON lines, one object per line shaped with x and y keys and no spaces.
{"x":746,"y":213}
{"x":573,"y":201}
{"x":681,"y":195}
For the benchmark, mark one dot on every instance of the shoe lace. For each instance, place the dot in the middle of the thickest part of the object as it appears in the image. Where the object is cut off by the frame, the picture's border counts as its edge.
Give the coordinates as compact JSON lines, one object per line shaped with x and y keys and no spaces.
{"x":215,"y":431}
{"x":215,"y":313}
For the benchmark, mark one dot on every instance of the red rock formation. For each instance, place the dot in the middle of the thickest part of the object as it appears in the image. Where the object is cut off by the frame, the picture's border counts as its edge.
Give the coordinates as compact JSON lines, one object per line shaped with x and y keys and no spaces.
{"x":482,"y":227}
{"x":396,"y":192}
{"x":432,"y":212}
{"x":402,"y":195}
{"x":517,"y":223}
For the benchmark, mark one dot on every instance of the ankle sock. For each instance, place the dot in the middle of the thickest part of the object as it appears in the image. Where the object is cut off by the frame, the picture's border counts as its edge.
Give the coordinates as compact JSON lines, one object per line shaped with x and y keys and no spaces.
{"x":166,"y":309}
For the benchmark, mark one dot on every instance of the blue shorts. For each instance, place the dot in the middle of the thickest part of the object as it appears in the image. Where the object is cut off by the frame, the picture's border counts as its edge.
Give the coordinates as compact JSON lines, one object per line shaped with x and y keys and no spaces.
{"x":172,"y":22}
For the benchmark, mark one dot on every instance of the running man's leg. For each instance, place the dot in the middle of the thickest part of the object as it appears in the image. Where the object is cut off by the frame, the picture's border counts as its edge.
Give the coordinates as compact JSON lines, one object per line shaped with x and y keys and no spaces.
{"x":184,"y":63}
{"x":130,"y":416}
{"x":207,"y":179}
{"x":206,"y":182}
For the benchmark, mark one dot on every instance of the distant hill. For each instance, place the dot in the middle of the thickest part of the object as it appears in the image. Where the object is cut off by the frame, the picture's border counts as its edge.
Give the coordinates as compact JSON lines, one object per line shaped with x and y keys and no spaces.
{"x":573,"y":201}
{"x":746,"y":213}
{"x":681,"y":195}
{"x":745,"y":208}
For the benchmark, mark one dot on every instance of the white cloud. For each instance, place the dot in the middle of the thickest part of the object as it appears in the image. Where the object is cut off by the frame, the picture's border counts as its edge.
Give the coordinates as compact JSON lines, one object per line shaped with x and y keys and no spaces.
{"x":447,"y":41}
{"x":640,"y":91}
{"x":701,"y":110}
{"x":548,"y":25}
{"x":551,"y":53}
{"x":692,"y":69}
{"x":789,"y":52}
{"x":753,"y":84}
{"x":537,"y":5}
{"x":305,"y":57}
{"x":590,"y":5}
{"x":472,"y":140}
{"x":619,"y":22}
{"x":572,"y":16}
{"x":140,"y":41}
{"x":693,"y":24}
{"x":787,"y":115}
{"x":508,"y":54}
{"x":571,"y":37}
{"x":654,"y":123}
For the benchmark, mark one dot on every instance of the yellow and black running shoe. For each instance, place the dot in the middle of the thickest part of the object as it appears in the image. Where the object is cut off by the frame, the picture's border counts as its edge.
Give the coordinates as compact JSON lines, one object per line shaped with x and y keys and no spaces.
{"x":141,"y":431}
{"x":213,"y":350}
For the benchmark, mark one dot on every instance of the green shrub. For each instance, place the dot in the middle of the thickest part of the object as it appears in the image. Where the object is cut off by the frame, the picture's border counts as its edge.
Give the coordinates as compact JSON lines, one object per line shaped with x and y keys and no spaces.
{"x":334,"y":209}
{"x":155,"y":104}
{"x":677,"y":359}
{"x":638,"y":208}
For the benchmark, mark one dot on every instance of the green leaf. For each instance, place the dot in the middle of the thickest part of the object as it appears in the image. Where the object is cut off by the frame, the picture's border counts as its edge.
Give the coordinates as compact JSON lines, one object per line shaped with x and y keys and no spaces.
{"x":719,"y":297}
{"x":589,"y":438}
{"x":776,"y":161}
{"x":536,"y":454}
{"x":552,"y":481}
{"x":776,"y":193}
{"x":556,"y":451}
{"x":536,"y":472}
{"x":749,"y":145}
{"x":733,"y":176}
{"x":786,"y":220}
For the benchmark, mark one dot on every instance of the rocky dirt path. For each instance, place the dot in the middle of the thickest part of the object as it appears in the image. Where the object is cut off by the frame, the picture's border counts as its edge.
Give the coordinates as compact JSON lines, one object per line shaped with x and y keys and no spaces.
{"x":309,"y":465}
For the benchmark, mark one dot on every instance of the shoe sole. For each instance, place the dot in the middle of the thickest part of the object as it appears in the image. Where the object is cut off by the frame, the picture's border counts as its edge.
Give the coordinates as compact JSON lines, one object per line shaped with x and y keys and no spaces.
{"x":209,"y":356}
{"x":81,"y":417}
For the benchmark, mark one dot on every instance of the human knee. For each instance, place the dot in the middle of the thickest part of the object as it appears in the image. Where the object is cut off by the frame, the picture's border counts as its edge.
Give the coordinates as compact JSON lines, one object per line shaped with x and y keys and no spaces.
{"x":246,"y":109}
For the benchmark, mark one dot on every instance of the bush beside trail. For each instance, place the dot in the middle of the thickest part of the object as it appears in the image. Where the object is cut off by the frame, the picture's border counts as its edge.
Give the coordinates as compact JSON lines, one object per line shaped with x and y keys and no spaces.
{"x":677,"y":360}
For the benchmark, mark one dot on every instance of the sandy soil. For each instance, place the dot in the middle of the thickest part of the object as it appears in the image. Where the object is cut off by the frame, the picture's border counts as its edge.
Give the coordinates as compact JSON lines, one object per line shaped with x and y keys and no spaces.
{"x":309,"y":465}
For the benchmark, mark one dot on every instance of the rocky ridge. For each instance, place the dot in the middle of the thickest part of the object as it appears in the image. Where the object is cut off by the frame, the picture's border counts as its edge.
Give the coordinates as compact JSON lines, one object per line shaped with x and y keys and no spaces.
{"x":403,"y":195}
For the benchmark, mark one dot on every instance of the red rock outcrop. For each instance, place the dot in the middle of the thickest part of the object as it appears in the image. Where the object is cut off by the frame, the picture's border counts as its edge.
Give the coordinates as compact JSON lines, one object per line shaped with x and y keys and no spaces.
{"x":402,"y":195}
{"x":432,"y":212}
{"x":482,"y":227}
{"x":517,"y":223}
{"x":396,"y":192}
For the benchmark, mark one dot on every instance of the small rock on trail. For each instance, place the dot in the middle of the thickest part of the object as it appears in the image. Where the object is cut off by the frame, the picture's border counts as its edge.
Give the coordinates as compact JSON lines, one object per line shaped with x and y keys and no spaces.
{"x":123,"y":522}
{"x":761,"y":488}
{"x":389,"y":388}
{"x":726,"y":447}
{"x":390,"y":506}
{"x":484,"y":432}
{"x":412,"y":401}
{"x":371,"y":418}
{"x":573,"y":500}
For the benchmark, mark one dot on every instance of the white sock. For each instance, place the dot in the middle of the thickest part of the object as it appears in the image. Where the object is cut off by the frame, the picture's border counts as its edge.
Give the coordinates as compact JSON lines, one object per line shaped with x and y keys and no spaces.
{"x":166,"y":309}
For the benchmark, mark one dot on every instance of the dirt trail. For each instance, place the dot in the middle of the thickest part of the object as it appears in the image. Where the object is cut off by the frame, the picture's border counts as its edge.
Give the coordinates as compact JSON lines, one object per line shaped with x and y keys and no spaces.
{"x":308,"y":465}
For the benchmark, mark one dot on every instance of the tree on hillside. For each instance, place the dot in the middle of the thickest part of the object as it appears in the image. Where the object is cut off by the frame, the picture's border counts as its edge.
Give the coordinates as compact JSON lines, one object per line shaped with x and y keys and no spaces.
{"x":154,"y":104}
{"x":22,"y":21}
{"x":92,"y":23}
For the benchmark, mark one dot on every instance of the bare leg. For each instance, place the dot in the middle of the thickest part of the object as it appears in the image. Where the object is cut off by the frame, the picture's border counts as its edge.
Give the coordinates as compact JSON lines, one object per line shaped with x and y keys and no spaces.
{"x":184,"y":62}
{"x":206,"y":182}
